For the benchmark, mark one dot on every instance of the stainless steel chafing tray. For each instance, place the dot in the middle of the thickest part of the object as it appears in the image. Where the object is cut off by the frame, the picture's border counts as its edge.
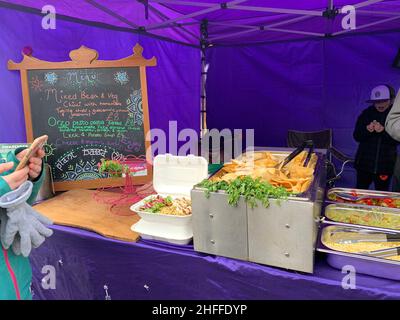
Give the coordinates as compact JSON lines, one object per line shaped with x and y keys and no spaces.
{"x":362,"y":262}
{"x":282,"y":235}
{"x":360,"y":192}
{"x":371,"y":217}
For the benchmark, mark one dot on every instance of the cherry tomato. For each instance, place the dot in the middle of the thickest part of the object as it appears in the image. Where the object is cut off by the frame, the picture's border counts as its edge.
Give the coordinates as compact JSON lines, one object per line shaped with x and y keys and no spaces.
{"x":369,"y":202}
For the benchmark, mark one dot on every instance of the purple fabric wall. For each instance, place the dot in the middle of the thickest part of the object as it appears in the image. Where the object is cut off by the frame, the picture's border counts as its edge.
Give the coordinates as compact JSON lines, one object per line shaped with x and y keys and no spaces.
{"x":303,"y":85}
{"x":173,"y":85}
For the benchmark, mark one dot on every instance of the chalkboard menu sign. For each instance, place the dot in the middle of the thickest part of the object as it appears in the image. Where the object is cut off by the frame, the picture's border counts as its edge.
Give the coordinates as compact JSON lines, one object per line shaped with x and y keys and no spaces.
{"x":91,"y":110}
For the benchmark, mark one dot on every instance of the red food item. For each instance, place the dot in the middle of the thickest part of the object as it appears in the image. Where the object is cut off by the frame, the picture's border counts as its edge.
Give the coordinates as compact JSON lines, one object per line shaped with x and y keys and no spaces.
{"x":369,"y":202}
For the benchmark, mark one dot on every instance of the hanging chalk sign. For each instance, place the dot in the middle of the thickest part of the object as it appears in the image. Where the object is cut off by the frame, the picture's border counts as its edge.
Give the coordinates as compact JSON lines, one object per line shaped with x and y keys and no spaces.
{"x":91,"y":110}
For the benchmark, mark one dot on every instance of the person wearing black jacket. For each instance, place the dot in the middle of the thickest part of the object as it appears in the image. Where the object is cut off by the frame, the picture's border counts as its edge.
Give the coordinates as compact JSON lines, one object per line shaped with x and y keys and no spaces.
{"x":377,"y":150}
{"x":392,"y":127}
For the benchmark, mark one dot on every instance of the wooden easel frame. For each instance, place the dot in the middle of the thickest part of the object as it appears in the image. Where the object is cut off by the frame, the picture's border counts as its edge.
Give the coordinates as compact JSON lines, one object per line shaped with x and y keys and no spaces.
{"x":85,"y":58}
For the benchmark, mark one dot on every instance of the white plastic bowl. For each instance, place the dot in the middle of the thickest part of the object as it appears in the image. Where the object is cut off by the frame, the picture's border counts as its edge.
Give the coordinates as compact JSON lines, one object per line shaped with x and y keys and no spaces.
{"x":164,"y":227}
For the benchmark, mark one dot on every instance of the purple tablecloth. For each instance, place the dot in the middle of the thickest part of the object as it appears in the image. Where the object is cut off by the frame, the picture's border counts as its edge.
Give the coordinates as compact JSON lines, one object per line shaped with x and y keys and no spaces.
{"x":85,"y":262}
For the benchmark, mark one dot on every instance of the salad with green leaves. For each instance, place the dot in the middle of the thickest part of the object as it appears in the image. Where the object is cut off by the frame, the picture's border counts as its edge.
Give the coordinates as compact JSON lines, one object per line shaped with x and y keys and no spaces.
{"x":156,"y":203}
{"x":251,"y":189}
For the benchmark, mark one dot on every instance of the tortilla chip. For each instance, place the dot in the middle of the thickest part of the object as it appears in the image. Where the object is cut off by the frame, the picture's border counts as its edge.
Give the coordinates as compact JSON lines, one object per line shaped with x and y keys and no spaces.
{"x":296,"y":172}
{"x":231,"y":176}
{"x":261,"y":173}
{"x":306,"y":185}
{"x":230,"y":167}
{"x":261,"y":164}
{"x":267,"y":162}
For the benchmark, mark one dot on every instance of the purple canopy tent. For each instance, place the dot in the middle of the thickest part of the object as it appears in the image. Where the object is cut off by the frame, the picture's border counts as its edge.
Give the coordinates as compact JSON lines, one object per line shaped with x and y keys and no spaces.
{"x":272,"y":66}
{"x":290,"y":58}
{"x":230,"y":22}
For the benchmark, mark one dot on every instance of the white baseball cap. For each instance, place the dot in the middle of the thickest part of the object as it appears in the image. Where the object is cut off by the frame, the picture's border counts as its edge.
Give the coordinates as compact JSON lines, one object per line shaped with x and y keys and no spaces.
{"x":380,"y":93}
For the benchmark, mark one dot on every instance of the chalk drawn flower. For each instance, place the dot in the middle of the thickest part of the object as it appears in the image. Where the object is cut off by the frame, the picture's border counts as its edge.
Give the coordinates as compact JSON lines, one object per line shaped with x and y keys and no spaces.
{"x":49,"y":150}
{"x":121,"y":77}
{"x":82,"y":171}
{"x":135,"y":108}
{"x":36,"y":84}
{"x":50,"y":78}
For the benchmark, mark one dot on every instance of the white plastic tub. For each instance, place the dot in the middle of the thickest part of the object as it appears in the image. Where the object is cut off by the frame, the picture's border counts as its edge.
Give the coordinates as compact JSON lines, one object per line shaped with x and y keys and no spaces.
{"x":162,"y":227}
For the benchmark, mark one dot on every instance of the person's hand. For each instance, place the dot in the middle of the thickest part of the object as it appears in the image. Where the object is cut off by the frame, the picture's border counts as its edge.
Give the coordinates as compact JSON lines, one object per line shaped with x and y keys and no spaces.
{"x":6,"y":166}
{"x":15,"y":179}
{"x":371,"y":127}
{"x":25,"y":228}
{"x":35,"y":162}
{"x":379,"y":128}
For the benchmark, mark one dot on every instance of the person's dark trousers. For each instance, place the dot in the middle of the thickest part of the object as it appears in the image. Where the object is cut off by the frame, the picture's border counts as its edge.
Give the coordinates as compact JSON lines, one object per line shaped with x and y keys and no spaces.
{"x":381,"y":181}
{"x":396,"y":176}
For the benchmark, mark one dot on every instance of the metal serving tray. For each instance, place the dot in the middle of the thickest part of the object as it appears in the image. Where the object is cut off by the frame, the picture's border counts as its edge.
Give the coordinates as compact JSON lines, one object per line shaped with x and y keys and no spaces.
{"x":362,"y":210}
{"x":282,"y":235}
{"x":361,"y":192}
{"x":364,"y":264}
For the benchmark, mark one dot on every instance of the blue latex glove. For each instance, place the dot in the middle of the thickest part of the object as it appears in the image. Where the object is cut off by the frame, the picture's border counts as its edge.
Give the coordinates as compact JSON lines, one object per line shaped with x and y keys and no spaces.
{"x":25,"y":228}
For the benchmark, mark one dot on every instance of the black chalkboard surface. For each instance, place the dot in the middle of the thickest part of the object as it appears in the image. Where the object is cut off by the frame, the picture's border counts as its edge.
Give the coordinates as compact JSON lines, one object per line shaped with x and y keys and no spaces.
{"x":91,"y":109}
{"x":88,"y":114}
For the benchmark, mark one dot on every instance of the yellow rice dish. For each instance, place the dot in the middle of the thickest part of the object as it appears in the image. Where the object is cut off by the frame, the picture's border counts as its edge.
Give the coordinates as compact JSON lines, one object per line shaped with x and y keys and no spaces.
{"x":359,"y":247}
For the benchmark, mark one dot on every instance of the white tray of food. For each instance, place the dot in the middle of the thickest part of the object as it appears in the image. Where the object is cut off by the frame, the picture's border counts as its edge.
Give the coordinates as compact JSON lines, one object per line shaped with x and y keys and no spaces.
{"x":167,"y":216}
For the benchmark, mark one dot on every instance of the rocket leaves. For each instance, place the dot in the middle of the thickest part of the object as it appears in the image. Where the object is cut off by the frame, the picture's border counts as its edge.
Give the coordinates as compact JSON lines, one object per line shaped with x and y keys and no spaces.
{"x":251,"y":189}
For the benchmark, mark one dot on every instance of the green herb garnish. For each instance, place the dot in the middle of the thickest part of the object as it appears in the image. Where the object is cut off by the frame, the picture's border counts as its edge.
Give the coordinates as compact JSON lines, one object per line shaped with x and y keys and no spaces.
{"x":113,"y":167}
{"x":251,"y":189}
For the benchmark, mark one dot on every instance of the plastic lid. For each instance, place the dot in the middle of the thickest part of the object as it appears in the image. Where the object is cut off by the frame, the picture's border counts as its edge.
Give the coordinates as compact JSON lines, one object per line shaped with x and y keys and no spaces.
{"x":176,"y":175}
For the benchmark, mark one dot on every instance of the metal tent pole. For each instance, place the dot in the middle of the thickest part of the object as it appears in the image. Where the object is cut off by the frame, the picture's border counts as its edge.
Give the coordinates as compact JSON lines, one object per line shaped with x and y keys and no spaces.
{"x":367,"y":25}
{"x":366,"y":3}
{"x":203,"y":96}
{"x":216,"y":7}
{"x":111,"y":13}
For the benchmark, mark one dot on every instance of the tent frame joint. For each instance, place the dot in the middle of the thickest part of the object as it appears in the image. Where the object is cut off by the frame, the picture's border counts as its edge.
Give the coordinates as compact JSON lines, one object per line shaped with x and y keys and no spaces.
{"x":330,"y":13}
{"x":204,"y":34}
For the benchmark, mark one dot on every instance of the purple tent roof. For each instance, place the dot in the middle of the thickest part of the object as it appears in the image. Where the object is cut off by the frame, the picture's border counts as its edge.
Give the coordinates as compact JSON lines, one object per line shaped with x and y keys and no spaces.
{"x":230,"y":22}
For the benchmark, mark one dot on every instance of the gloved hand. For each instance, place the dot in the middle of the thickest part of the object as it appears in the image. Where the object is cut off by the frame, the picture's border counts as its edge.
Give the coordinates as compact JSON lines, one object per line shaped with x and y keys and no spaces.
{"x":3,"y":222}
{"x":25,"y":228}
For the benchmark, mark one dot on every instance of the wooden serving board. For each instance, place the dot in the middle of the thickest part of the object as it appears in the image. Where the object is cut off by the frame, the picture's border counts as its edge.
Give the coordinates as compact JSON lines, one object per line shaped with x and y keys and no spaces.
{"x":79,"y":208}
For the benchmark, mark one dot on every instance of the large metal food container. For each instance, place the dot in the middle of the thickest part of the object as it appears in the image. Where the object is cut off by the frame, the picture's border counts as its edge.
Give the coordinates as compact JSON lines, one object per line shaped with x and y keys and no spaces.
{"x":362,"y":263}
{"x":282,"y":235}
{"x":219,"y":228}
